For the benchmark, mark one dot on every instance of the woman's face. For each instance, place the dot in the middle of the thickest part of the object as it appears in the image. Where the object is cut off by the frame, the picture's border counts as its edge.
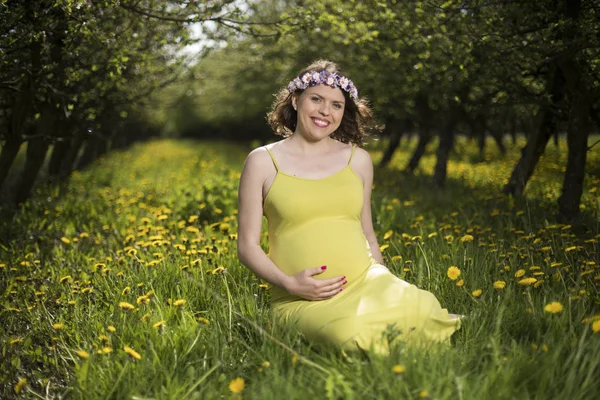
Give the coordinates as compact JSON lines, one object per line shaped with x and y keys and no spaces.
{"x":320,"y":111}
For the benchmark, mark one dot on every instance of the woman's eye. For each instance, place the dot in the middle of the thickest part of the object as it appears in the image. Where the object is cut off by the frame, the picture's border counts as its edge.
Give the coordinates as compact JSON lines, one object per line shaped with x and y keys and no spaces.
{"x":337,"y":106}
{"x":315,"y":99}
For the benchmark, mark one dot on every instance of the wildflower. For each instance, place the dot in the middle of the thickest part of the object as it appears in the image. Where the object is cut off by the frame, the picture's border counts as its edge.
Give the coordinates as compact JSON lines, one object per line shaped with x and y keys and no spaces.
{"x":527,"y":281}
{"x":398,"y":369}
{"x":568,"y":249}
{"x":554,"y":307}
{"x":236,"y":385}
{"x":83,"y":354}
{"x":383,"y":247}
{"x":19,"y":386}
{"x":107,"y":350}
{"x":460,"y":283}
{"x":66,"y":278}
{"x":125,"y":291}
{"x":423,"y":394}
{"x":466,"y":238}
{"x":111,"y":329}
{"x":58,"y":326}
{"x":132,"y":353}
{"x":388,"y":234}
{"x":159,"y":324}
{"x":179,"y":302}
{"x":126,"y":306}
{"x":477,"y":292}
{"x":15,"y":341}
{"x":499,"y":285}
{"x":519,"y":273}
{"x":65,"y":240}
{"x":203,"y":320}
{"x":453,"y":273}
{"x":596,"y":326}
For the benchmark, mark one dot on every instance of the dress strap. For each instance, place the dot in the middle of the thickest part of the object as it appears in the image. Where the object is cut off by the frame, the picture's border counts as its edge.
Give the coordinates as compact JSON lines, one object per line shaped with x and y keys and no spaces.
{"x":272,"y":158}
{"x":352,"y":154}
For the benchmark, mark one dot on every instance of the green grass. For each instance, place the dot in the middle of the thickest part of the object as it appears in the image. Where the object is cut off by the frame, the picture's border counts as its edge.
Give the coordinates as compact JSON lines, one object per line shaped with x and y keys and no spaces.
{"x":157,"y":224}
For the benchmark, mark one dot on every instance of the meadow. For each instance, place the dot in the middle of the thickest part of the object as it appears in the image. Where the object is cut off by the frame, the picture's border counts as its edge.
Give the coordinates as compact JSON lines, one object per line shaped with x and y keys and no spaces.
{"x":125,"y":284}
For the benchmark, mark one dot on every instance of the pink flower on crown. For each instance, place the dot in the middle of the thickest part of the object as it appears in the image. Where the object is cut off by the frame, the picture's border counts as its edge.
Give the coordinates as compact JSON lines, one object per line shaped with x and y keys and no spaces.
{"x":331,"y":81}
{"x":306,"y":78}
{"x":316,"y":78}
{"x":344,"y":82}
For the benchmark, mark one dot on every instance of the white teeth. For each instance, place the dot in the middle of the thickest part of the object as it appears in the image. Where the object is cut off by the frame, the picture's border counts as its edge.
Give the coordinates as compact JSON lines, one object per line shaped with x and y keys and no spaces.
{"x":320,"y":122}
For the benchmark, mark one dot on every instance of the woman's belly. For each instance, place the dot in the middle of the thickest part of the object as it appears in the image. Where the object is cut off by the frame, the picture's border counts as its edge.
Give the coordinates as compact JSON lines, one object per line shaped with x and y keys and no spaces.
{"x":336,"y":243}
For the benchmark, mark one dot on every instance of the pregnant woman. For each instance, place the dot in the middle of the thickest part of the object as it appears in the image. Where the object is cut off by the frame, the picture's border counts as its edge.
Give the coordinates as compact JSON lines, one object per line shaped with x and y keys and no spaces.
{"x":314,"y":187}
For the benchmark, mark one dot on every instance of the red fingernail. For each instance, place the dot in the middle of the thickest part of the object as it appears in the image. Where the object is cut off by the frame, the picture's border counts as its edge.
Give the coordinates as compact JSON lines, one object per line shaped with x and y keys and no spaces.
{"x":341,"y":289}
{"x":323,"y":267}
{"x":344,"y":277}
{"x":345,"y":282}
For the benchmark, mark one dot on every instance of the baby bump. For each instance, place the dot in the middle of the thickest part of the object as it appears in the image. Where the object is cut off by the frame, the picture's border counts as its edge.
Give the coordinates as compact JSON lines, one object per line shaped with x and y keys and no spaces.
{"x":340,"y":245}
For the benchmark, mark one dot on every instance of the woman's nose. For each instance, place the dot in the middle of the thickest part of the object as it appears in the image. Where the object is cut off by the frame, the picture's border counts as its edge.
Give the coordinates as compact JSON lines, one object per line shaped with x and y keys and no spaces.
{"x":324,"y":110}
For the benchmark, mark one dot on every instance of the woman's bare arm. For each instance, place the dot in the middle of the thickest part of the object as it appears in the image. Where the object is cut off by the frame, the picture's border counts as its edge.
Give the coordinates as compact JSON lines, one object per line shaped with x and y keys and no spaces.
{"x":363,"y":166}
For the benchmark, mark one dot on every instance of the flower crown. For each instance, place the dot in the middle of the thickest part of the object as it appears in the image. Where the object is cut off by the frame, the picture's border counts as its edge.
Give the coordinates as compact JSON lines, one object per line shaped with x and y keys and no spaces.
{"x":313,"y":78}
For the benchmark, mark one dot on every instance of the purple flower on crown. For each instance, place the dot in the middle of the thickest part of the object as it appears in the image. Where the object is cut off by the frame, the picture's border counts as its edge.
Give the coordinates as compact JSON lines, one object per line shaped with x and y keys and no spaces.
{"x":306,"y":78}
{"x":313,"y":78}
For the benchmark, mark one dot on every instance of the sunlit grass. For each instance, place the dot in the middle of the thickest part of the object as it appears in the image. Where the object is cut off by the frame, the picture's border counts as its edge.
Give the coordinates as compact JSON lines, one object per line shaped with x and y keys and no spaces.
{"x":129,"y":285}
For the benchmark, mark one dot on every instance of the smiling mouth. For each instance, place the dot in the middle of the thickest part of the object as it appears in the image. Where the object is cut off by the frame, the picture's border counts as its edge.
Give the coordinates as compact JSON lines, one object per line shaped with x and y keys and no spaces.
{"x":320,"y":123}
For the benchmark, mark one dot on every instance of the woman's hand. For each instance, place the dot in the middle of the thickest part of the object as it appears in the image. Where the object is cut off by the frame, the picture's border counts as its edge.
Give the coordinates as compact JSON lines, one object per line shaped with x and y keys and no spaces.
{"x":304,"y":285}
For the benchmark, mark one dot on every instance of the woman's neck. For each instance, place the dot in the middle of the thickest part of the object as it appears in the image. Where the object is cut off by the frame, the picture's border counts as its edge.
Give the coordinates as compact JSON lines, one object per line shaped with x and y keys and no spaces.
{"x":304,"y":146}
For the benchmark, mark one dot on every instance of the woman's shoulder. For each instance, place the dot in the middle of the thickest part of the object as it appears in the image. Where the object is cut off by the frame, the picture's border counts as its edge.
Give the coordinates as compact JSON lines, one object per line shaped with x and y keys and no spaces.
{"x":260,"y":157}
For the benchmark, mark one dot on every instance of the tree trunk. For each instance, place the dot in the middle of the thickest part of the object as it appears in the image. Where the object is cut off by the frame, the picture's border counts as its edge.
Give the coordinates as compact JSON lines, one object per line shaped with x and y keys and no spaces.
{"x":68,"y":162}
{"x":577,"y":139}
{"x":393,"y":129}
{"x":36,"y":154}
{"x":443,"y":153}
{"x":92,"y":150}
{"x":424,"y":139}
{"x":59,"y":153}
{"x":536,"y":143}
{"x":7,"y":157}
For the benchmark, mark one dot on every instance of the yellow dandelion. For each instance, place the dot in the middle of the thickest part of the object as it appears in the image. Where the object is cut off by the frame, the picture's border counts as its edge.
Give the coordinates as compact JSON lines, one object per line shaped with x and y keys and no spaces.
{"x":179,"y":303}
{"x":596,"y":326}
{"x":265,"y":364}
{"x":126,"y":306}
{"x":477,"y":292}
{"x":237,"y":385}
{"x":132,"y":353}
{"x":460,"y":283}
{"x":58,"y":326}
{"x":466,"y":238}
{"x":203,"y":320}
{"x":65,"y":240}
{"x":527,"y":281}
{"x":499,"y":285}
{"x":453,"y":273}
{"x":107,"y":350}
{"x":83,"y":354}
{"x":388,"y":234}
{"x":111,"y":329}
{"x":20,"y":385}
{"x":555,"y":307}
{"x":16,"y":341}
{"x":569,"y":249}
{"x":383,"y":247}
{"x":398,"y":369}
{"x":159,"y":324}
{"x":519,"y":273}
{"x":423,"y":394}
{"x":66,"y":278}
{"x":125,"y":291}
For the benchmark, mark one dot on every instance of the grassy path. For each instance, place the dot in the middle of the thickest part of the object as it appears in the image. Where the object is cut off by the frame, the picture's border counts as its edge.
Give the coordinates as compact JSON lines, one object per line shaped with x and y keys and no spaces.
{"x":128,"y":286}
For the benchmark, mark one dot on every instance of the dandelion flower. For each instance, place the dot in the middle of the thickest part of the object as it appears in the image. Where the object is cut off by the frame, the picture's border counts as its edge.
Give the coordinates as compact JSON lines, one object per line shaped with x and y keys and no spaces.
{"x":460,"y":283}
{"x":65,"y":240}
{"x":126,"y":306}
{"x":179,"y":302}
{"x":107,"y":350}
{"x":58,"y":326}
{"x":159,"y":324}
{"x":423,"y":394}
{"x":527,"y":281}
{"x":555,"y":307}
{"x":203,"y":320}
{"x":83,"y":354}
{"x":236,"y":385}
{"x":519,"y":273}
{"x":499,"y":285}
{"x":111,"y":329}
{"x":398,"y":369}
{"x":132,"y":353}
{"x":19,"y":386}
{"x":477,"y":292}
{"x":596,"y":326}
{"x":453,"y":273}
{"x":466,"y":238}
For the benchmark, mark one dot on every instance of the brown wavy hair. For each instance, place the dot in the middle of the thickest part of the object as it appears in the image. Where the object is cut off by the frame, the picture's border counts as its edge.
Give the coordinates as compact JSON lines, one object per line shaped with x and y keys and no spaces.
{"x":357,"y":121}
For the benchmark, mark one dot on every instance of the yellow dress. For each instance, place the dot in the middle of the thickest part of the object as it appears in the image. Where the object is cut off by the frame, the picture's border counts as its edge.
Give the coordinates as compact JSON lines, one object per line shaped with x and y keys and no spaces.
{"x":315,"y":222}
